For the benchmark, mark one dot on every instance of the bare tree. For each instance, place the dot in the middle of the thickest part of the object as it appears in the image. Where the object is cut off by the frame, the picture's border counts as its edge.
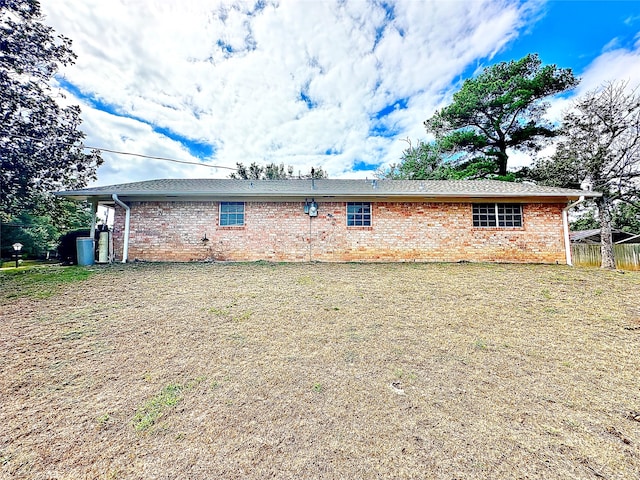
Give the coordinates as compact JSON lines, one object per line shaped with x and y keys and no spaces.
{"x":601,"y":144}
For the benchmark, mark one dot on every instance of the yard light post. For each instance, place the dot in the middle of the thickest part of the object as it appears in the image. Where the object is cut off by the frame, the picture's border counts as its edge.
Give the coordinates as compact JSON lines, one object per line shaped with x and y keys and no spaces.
{"x":17,"y":248}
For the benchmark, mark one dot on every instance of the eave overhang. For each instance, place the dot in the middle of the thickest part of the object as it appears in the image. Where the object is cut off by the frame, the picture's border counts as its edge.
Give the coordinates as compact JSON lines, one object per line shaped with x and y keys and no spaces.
{"x":328,"y":191}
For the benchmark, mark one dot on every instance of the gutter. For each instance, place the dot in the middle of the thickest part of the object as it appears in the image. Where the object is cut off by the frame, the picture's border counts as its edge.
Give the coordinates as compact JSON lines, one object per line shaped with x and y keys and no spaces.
{"x":173,"y":195}
{"x":127,"y":219}
{"x":634,"y":237}
{"x":565,"y":227}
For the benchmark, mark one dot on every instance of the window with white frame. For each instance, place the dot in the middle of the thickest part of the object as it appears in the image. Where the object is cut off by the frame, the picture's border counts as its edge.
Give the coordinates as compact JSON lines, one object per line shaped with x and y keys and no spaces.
{"x":358,"y":214}
{"x":231,"y":214}
{"x":506,"y":215}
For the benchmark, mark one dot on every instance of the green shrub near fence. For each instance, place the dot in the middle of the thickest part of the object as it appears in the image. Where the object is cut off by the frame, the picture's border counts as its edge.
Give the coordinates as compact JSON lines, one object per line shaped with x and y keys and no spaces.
{"x":586,"y":255}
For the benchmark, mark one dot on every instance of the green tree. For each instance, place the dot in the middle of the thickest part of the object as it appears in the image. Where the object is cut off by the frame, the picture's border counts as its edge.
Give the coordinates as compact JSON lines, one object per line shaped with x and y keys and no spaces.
{"x":600,"y":144}
{"x":253,"y":172}
{"x":315,"y":173}
{"x":272,"y":171}
{"x":422,"y":162}
{"x":426,"y":161}
{"x":41,"y":147}
{"x":39,"y":232}
{"x":585,"y":221}
{"x":500,"y":109}
{"x":624,"y":217}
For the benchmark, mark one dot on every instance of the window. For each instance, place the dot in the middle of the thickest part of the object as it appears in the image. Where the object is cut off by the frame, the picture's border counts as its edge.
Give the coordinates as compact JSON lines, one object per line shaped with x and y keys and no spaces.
{"x":497,"y":215}
{"x":358,"y":214}
{"x":231,"y":214}
{"x":484,"y":215}
{"x":509,"y":215}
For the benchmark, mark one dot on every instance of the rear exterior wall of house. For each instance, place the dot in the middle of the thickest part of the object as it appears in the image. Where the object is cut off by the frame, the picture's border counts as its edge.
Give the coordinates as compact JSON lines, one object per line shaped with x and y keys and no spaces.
{"x":281,"y":231}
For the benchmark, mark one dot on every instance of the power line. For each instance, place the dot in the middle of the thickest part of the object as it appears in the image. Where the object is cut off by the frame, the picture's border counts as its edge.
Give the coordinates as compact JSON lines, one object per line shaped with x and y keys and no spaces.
{"x":159,"y":158}
{"x":88,"y":147}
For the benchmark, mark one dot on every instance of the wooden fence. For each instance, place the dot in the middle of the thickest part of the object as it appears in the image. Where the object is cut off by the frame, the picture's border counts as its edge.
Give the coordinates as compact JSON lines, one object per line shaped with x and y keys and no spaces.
{"x":627,"y":256}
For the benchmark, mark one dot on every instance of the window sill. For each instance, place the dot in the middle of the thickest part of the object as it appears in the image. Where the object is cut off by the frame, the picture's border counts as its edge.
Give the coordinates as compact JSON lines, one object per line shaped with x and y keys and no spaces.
{"x":500,"y":229}
{"x":234,"y":227}
{"x":359,"y":228}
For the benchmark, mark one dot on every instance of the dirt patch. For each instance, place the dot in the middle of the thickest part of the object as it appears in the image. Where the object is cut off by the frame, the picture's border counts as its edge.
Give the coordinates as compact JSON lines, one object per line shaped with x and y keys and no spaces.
{"x":322,"y":371}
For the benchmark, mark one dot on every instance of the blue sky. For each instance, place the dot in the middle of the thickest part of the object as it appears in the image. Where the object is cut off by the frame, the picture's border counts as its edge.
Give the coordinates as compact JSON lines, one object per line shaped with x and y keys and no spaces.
{"x":573,"y":33}
{"x":336,"y":84}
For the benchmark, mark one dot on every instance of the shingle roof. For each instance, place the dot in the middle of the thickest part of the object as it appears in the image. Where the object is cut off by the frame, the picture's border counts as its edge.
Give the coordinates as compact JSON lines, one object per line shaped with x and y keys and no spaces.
{"x":194,"y":188}
{"x":593,"y":236}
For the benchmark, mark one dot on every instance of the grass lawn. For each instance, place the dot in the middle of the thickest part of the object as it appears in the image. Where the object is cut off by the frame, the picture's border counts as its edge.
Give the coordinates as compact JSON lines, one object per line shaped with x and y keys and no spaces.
{"x":437,"y":371}
{"x":10,"y":263}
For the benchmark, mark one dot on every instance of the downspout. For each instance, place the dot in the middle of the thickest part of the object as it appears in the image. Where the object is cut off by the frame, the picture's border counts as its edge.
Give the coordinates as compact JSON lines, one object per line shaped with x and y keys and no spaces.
{"x":127,"y":218}
{"x":94,"y":209}
{"x":565,"y":226}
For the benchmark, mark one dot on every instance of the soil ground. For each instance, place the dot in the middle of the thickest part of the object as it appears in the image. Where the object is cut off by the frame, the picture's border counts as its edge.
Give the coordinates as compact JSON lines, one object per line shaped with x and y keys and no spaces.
{"x":439,"y":371}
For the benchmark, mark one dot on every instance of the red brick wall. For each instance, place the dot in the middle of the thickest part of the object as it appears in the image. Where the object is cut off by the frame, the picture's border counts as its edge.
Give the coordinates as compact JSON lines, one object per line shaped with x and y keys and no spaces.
{"x":174,"y":231}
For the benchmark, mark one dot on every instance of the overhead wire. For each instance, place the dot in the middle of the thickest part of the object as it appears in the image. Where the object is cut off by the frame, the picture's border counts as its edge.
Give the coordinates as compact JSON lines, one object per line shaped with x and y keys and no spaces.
{"x":118,"y":152}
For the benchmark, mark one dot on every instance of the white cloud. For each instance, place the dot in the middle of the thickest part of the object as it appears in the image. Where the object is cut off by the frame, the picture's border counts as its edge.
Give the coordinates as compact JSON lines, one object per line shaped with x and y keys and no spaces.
{"x":631,"y":20}
{"x":614,"y":64}
{"x":611,"y":44}
{"x":227,"y":74}
{"x":617,"y":64}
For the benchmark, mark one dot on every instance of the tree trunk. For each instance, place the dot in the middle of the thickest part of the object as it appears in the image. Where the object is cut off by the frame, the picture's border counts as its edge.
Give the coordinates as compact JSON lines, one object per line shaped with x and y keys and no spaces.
{"x":502,"y":159}
{"x":606,"y":237}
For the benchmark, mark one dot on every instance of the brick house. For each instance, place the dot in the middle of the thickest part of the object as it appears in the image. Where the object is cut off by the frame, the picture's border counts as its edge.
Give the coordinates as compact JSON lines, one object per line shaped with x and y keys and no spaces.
{"x":337,"y":220}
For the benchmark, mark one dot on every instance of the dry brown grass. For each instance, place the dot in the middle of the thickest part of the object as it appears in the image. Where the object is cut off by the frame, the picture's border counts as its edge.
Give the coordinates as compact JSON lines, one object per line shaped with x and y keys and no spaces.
{"x":440,"y":371}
